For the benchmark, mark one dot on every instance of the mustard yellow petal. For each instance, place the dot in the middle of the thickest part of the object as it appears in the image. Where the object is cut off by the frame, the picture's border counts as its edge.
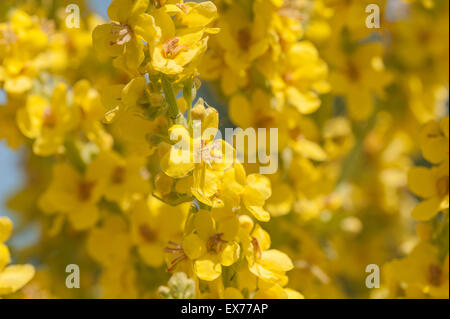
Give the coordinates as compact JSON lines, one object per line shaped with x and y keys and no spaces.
{"x":193,"y":246}
{"x":276,"y":260}
{"x":260,"y":213}
{"x":18,"y":85}
{"x":14,"y":277}
{"x":427,"y":209}
{"x":274,"y":292}
{"x":293,"y":294}
{"x":281,"y":201}
{"x":267,"y":274}
{"x":304,"y":102}
{"x":103,"y":42}
{"x":230,"y":254}
{"x":123,"y":10}
{"x":210,"y":123}
{"x":134,"y":53}
{"x":229,"y":227}
{"x":263,"y":238}
{"x":241,"y":112}
{"x":6,"y":227}
{"x":422,"y":182}
{"x":5,"y":257}
{"x":207,"y":269}
{"x":133,"y":91}
{"x":199,"y":14}
{"x":433,"y":143}
{"x":261,"y":184}
{"x":311,"y":150}
{"x":152,"y":254}
{"x":204,"y":224}
{"x":84,"y":218}
{"x":145,"y":27}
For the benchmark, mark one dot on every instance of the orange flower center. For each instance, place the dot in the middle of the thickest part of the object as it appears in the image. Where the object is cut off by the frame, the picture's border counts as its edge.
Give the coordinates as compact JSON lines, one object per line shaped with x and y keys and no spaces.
{"x":442,"y":186}
{"x":171,"y":48}
{"x":85,"y":190}
{"x":148,"y":234}
{"x":206,"y":152}
{"x":118,"y":175}
{"x":174,"y":248}
{"x":244,"y":39}
{"x":49,"y":120}
{"x":434,"y":275}
{"x":256,"y":248}
{"x":294,"y":9}
{"x":123,"y":32}
{"x":215,"y":243}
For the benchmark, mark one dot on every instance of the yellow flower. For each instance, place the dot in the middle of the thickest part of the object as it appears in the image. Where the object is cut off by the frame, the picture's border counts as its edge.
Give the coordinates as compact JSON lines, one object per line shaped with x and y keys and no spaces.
{"x":12,"y":277}
{"x":299,"y":78}
{"x":47,"y":122}
{"x":125,"y":35}
{"x":242,"y":39}
{"x":119,"y":98}
{"x":10,"y":132}
{"x":75,"y":195}
{"x":432,"y":185}
{"x":110,"y":243}
{"x":127,"y":179}
{"x":21,"y":41}
{"x":88,"y":101}
{"x":257,"y":190}
{"x":277,"y":292}
{"x":183,"y":38}
{"x":269,"y":265}
{"x":129,"y":125}
{"x":281,"y":201}
{"x":360,"y":77}
{"x":211,"y":246}
{"x":242,"y":193}
{"x":419,"y":275}
{"x":434,"y":141}
{"x":153,"y":225}
{"x":205,"y":157}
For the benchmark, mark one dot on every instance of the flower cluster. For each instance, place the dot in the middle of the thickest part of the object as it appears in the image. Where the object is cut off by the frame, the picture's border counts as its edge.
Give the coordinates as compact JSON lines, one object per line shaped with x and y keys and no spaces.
{"x":12,"y":277}
{"x":128,"y":176}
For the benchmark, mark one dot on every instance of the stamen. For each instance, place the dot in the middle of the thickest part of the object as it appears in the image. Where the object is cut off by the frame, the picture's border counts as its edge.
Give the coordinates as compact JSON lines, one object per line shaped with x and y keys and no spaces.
{"x":8,"y":37}
{"x":442,"y":186}
{"x":85,"y":190}
{"x":49,"y":118}
{"x":435,"y":275}
{"x":171,"y":48}
{"x":215,"y":243}
{"x":294,"y":9}
{"x":206,"y":152}
{"x":175,"y":249}
{"x":183,"y":7}
{"x":256,"y":248}
{"x":148,"y":234}
{"x":118,"y":176}
{"x":123,"y":33}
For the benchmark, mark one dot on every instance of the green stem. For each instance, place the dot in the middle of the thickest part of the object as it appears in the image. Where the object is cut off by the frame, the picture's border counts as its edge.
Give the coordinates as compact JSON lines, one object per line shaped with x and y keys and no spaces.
{"x":187,"y":94}
{"x":170,"y":98}
{"x":354,"y":158}
{"x":73,"y":155}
